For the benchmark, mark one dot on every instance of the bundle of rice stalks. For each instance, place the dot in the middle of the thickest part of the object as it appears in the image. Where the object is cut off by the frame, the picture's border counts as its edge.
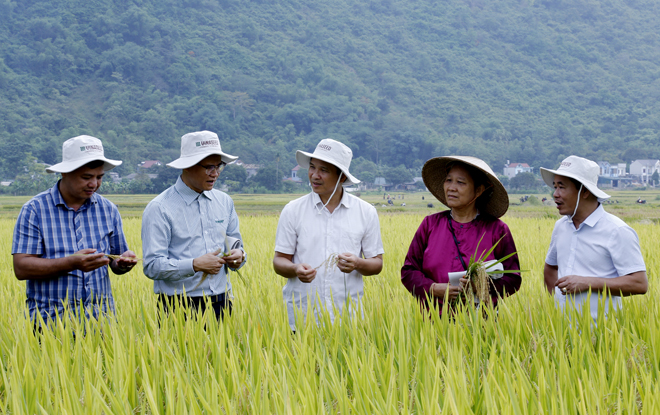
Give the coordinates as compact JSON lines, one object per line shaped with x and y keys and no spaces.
{"x":480,"y":271}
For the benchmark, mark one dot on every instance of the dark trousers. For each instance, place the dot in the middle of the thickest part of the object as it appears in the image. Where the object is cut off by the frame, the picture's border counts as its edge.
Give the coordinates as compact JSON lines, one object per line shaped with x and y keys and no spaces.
{"x":220,"y":303}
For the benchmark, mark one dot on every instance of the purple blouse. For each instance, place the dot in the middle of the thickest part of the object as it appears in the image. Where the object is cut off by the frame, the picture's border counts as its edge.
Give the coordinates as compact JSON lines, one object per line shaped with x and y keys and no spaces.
{"x":433,"y":254}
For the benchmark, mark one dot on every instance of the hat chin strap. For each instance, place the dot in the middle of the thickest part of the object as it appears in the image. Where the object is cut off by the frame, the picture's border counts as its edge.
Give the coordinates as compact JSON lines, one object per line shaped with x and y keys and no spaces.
{"x":578,"y":202}
{"x":318,"y":211}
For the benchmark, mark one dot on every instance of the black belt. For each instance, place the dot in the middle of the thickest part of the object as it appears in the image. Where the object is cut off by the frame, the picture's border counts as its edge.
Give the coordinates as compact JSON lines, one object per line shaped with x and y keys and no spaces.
{"x":219,"y":298}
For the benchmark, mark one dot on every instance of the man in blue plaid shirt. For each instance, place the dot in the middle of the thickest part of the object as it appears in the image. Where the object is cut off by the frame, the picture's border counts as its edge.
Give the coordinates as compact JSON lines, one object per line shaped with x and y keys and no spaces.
{"x":62,"y":237}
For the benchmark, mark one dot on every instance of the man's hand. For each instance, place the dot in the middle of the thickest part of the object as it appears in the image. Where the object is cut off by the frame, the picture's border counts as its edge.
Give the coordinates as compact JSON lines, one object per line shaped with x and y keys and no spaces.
{"x":124,"y":263}
{"x":208,"y":263}
{"x":347,"y":262}
{"x":573,"y":284}
{"x":87,"y":260}
{"x":284,"y":266}
{"x":305,"y":273}
{"x":234,"y":259}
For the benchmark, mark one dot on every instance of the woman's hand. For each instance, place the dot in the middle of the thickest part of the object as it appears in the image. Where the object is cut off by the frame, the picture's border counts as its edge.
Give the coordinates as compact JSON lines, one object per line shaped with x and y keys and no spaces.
{"x":464,"y":282}
{"x":446,"y":291}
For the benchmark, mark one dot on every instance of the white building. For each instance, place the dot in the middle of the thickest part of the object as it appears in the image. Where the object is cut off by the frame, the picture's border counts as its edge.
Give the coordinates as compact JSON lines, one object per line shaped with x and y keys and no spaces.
{"x":644,"y":169}
{"x":612,"y":170}
{"x":621,"y":169}
{"x":513,"y":169}
{"x":251,"y":169}
{"x":294,"y":174}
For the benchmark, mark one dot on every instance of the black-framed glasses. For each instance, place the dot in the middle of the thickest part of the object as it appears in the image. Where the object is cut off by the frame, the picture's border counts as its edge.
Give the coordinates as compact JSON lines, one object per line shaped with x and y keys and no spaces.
{"x":211,"y":168}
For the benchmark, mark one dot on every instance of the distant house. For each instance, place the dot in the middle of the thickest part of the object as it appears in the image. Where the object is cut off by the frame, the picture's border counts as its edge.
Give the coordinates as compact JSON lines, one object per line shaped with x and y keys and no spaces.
{"x":612,"y":170}
{"x":114,"y":176}
{"x":513,"y":169}
{"x":383,"y":184}
{"x":251,"y":169}
{"x":294,"y":174}
{"x":149,"y":164}
{"x":408,"y":186}
{"x":644,"y":169}
{"x":605,"y":168}
{"x":621,"y":169}
{"x":380,"y":181}
{"x":132,"y":176}
{"x":6,"y":183}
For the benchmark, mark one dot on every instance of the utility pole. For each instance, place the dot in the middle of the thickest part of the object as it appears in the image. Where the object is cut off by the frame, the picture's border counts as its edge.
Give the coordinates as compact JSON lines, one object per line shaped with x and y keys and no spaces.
{"x":277,"y":175}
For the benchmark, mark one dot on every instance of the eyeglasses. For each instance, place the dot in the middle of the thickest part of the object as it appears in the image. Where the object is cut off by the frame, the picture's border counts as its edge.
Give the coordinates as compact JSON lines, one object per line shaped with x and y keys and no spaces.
{"x":213,"y":168}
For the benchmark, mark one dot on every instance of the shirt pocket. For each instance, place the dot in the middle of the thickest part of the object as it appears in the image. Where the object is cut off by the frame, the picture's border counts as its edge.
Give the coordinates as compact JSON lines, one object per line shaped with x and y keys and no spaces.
{"x":353,"y":241}
{"x":219,"y":227}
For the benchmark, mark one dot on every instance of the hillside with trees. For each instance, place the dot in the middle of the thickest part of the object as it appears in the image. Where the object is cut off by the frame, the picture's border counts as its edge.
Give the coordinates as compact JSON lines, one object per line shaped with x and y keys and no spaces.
{"x":398,"y":81}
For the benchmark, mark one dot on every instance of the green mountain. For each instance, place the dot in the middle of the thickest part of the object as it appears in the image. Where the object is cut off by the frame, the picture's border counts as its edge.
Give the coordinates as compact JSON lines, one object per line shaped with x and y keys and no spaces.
{"x":399,"y":81}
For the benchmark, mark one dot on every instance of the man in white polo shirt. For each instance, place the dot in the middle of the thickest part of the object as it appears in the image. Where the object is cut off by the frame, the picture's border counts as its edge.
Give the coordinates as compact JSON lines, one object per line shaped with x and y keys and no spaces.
{"x":590,"y":249}
{"x":327,"y":222}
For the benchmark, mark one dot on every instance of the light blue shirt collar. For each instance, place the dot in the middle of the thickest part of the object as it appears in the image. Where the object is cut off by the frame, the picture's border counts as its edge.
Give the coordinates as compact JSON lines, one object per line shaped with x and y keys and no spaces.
{"x":591,"y":220}
{"x":187,"y":194}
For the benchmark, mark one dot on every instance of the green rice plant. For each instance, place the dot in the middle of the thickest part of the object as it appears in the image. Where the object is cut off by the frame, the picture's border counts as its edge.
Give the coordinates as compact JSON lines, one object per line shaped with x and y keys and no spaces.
{"x":526,"y":357}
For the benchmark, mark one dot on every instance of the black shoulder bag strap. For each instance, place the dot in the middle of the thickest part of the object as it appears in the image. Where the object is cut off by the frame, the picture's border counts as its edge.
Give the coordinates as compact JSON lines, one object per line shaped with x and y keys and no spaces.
{"x":460,"y":256}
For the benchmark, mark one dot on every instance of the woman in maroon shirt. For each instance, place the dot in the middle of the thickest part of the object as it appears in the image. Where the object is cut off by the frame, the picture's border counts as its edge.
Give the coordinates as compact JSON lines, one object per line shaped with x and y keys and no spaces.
{"x":476,"y":199}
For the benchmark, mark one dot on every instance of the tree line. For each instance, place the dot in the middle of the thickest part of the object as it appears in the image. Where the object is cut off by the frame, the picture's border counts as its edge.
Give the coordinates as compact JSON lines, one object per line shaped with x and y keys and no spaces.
{"x":398,"y":81}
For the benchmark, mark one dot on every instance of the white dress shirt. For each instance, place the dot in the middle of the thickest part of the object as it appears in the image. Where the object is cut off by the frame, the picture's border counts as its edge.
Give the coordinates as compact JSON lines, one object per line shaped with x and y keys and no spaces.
{"x":310,"y":233}
{"x":603,"y":246}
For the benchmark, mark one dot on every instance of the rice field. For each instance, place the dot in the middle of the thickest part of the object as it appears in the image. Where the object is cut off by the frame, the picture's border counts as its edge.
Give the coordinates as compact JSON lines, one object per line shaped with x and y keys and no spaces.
{"x":528,"y":359}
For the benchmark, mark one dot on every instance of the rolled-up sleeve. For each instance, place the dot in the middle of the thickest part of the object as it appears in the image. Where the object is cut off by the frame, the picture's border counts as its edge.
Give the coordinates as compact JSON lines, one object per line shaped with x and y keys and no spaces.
{"x":156,"y":237}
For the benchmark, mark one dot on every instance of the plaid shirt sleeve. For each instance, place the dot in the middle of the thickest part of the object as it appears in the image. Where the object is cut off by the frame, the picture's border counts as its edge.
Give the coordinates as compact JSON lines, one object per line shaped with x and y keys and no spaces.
{"x":27,"y":233}
{"x":118,"y":244}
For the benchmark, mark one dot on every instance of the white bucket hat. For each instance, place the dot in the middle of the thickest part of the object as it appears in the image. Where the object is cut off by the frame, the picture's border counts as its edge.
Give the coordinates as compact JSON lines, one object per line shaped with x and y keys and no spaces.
{"x":578,"y":168}
{"x":78,"y":151}
{"x":333,"y":152}
{"x":197,"y":146}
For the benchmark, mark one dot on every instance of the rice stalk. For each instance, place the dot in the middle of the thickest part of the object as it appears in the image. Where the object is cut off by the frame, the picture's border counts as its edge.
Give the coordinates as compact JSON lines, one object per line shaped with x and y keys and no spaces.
{"x":533,"y":358}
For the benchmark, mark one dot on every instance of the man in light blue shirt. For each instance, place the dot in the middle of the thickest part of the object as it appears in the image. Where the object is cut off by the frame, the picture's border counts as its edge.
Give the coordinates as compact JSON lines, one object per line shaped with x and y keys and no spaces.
{"x":590,"y":249}
{"x":186,"y":230}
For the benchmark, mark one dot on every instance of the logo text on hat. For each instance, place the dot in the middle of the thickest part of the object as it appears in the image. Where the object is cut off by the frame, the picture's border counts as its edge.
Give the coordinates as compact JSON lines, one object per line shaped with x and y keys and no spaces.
{"x":565,"y":164}
{"x":325,"y":147}
{"x":91,"y":148}
{"x":207,"y":143}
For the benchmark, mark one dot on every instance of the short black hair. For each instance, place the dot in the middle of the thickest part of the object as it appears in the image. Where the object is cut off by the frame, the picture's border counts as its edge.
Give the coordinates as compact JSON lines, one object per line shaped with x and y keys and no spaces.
{"x":576,"y":183}
{"x":95,"y":164}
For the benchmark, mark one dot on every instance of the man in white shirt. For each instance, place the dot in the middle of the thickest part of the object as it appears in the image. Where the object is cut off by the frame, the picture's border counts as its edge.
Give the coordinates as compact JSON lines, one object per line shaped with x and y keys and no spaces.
{"x":327,"y":240}
{"x":590,"y":249}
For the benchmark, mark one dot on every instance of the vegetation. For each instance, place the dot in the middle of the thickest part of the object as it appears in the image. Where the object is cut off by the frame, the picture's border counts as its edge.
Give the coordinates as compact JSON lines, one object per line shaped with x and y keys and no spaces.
{"x":398,"y":81}
{"x":530,"y":358}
